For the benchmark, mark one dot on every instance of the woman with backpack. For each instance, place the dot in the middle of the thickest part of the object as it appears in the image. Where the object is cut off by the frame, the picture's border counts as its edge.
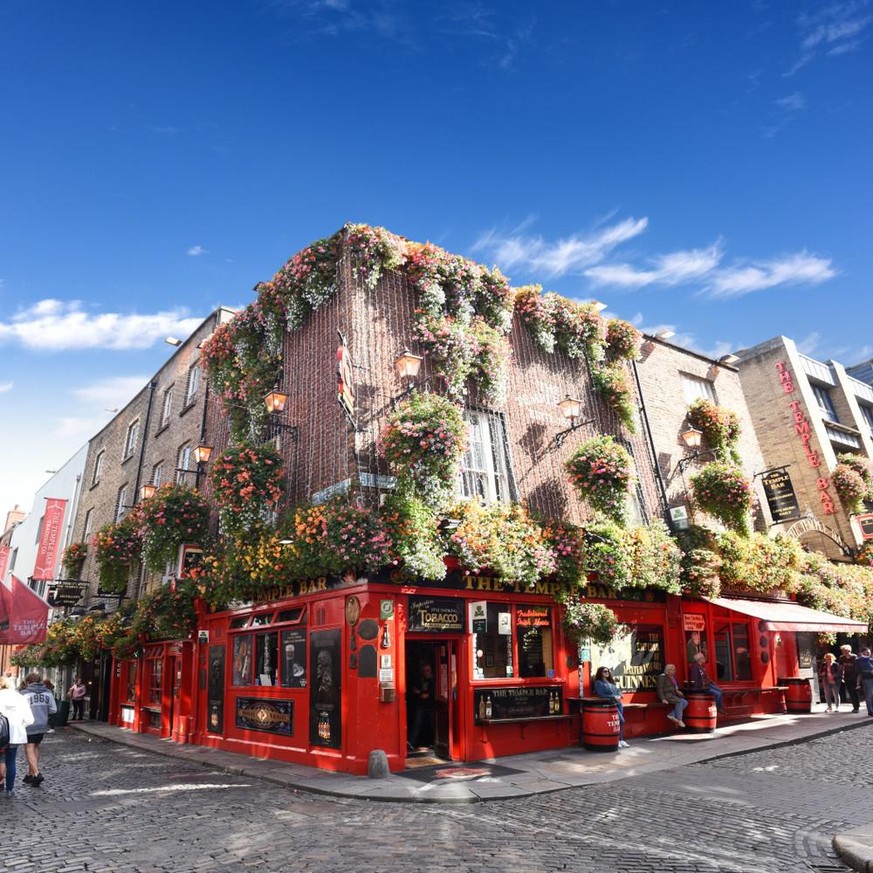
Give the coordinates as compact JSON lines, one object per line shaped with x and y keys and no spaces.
{"x":17,"y":716}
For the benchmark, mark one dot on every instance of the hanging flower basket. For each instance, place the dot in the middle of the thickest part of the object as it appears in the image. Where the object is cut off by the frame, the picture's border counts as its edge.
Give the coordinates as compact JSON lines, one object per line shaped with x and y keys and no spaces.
{"x":174,"y":515}
{"x":74,"y":559}
{"x":724,"y":492}
{"x":423,"y":443}
{"x":720,"y":427}
{"x":586,"y":621}
{"x":116,"y":546}
{"x":601,"y":470}
{"x":850,"y":486}
{"x":248,"y":484}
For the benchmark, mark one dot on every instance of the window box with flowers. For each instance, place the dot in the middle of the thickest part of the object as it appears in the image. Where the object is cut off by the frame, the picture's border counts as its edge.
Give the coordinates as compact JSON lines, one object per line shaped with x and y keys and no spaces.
{"x":173,"y":515}
{"x":724,"y":492}
{"x":601,"y":470}
{"x":116,"y":546}
{"x":423,"y":442}
{"x":248,"y":483}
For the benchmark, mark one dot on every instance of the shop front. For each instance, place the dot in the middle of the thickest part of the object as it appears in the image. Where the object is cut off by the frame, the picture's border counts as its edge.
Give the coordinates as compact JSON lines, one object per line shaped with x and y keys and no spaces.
{"x":329,"y":670}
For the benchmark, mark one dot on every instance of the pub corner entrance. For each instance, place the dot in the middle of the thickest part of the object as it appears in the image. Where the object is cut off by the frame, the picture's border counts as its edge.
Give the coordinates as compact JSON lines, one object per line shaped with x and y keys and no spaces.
{"x":432,"y":712}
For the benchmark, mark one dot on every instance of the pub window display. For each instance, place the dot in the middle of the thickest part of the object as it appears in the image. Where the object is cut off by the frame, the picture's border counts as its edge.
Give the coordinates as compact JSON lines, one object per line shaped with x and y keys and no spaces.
{"x":516,"y":641}
{"x":242,"y":659}
{"x":733,"y":660}
{"x":266,"y":658}
{"x":155,"y":672}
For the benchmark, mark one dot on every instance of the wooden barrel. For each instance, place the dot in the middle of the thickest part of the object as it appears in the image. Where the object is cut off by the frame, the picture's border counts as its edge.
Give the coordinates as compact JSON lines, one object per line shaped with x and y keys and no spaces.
{"x":700,"y":714}
{"x":599,"y":724}
{"x":798,"y":697}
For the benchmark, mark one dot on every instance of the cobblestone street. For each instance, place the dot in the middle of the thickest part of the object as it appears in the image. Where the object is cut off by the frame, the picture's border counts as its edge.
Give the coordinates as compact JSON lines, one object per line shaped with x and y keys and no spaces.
{"x":106,"y":807}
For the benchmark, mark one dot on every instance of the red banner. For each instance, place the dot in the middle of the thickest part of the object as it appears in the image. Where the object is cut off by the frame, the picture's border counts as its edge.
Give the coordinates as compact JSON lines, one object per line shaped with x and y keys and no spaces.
{"x":50,"y":539}
{"x":5,"y":610}
{"x":27,"y":615}
{"x":4,"y":561}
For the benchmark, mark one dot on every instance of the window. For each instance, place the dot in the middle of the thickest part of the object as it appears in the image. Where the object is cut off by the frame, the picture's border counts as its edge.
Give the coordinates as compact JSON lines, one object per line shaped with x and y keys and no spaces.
{"x":122,"y":505}
{"x":484,"y":467}
{"x":158,"y":474}
{"x":266,"y":658}
{"x":12,"y":560}
{"x":166,"y":406}
{"x":293,"y":674}
{"x":513,"y":641}
{"x":89,"y":523}
{"x":193,"y":383}
{"x":867,"y":415}
{"x":733,"y":660}
{"x":39,"y":529}
{"x":183,"y":462}
{"x":825,"y":402}
{"x":98,"y":467}
{"x":155,"y":677}
{"x":128,"y":688}
{"x":130,"y":441}
{"x":242,"y":659}
{"x":696,"y":388}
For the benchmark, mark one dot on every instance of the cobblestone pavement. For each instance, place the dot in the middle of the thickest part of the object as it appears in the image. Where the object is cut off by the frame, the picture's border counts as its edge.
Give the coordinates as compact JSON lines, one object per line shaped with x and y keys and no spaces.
{"x":106,"y":807}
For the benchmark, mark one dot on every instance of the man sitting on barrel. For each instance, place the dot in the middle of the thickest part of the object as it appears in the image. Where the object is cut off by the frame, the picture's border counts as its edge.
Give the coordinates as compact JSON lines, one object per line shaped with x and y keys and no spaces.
{"x":668,"y":692}
{"x":701,"y":681}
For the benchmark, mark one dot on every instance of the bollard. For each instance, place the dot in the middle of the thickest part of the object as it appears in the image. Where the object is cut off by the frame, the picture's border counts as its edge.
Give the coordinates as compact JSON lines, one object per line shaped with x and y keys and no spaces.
{"x":377,"y":765}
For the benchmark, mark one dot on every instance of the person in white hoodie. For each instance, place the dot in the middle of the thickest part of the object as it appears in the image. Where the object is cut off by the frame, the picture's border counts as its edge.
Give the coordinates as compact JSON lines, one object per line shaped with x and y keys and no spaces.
{"x":42,"y":705}
{"x":15,"y":707}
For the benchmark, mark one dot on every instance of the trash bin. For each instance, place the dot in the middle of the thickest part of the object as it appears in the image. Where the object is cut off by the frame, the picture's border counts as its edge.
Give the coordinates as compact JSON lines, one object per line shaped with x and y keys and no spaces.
{"x":62,"y":716}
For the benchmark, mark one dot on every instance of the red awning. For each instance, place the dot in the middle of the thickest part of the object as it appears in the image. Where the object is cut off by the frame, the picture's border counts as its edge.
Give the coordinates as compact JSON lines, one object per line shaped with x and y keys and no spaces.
{"x":789,"y":616}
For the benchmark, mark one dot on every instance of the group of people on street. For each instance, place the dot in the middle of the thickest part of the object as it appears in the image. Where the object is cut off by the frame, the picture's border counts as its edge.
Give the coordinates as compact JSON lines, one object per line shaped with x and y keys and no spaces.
{"x":29,"y":714}
{"x":853,"y":671}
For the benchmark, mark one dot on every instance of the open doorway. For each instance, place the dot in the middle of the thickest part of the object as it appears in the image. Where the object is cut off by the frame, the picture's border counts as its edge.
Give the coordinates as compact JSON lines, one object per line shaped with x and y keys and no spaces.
{"x":431,"y":692}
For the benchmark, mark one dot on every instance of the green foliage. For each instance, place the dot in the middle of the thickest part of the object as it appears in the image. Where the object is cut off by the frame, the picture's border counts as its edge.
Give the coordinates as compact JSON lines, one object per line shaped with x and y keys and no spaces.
{"x":593,"y":622}
{"x":724,"y":492}
{"x":601,"y":470}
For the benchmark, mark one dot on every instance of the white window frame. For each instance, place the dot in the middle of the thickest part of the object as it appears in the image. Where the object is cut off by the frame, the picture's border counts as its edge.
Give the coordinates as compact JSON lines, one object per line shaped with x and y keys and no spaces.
{"x":697,"y":388}
{"x":98,"y":467}
{"x":183,"y":462}
{"x":122,"y":505}
{"x":158,"y":474}
{"x":193,"y":384}
{"x":867,"y":415}
{"x":132,"y":438}
{"x":167,"y":406}
{"x":825,"y":402}
{"x":89,"y":524}
{"x":485,"y":470}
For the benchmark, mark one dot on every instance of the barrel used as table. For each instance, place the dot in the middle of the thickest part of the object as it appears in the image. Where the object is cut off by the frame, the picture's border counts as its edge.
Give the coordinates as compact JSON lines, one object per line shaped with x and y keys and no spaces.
{"x":798,"y":697}
{"x":599,"y":724}
{"x":701,"y":714}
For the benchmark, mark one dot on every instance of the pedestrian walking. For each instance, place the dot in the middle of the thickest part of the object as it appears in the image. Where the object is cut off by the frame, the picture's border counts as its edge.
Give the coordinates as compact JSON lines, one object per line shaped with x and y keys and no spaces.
{"x":18,"y":714}
{"x":42,"y":705}
{"x":847,"y":661}
{"x":831,"y":677}
{"x":605,"y":687}
{"x":77,"y":693}
{"x":668,"y":692}
{"x":864,"y":669}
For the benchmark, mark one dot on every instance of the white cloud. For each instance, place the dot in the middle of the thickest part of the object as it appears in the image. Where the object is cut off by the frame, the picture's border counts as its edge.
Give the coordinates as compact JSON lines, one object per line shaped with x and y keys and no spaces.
{"x":796,"y":269}
{"x":674,"y":268}
{"x":5,"y":387}
{"x":570,"y":255}
{"x":792,"y":103}
{"x":832,"y":29}
{"x":196,"y":251}
{"x":113,"y":392}
{"x":55,"y":325}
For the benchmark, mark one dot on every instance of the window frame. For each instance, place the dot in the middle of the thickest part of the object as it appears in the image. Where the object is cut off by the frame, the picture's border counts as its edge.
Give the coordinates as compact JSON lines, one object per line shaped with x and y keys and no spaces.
{"x":492,"y":481}
{"x":690,"y":383}
{"x":183,"y":461}
{"x":131,"y":439}
{"x":824,"y":402}
{"x":121,"y":504}
{"x":98,"y":467}
{"x":513,"y":646}
{"x":166,"y":407}
{"x":726,"y":655}
{"x":193,"y":384}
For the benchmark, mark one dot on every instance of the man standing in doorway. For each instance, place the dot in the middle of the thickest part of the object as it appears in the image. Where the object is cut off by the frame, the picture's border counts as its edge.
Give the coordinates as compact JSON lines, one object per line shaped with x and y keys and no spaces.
{"x":421,"y":736}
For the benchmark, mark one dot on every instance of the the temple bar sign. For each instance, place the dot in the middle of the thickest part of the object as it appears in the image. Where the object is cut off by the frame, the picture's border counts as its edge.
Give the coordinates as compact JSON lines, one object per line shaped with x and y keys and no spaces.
{"x":780,"y":496}
{"x":866,"y":522}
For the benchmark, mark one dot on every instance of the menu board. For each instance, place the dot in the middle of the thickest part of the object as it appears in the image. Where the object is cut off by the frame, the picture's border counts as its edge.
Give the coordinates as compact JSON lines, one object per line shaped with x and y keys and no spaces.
{"x":493,"y":704}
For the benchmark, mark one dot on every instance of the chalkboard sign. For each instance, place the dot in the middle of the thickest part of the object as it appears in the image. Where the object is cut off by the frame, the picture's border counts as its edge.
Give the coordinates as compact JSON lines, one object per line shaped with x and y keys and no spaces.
{"x":493,"y":704}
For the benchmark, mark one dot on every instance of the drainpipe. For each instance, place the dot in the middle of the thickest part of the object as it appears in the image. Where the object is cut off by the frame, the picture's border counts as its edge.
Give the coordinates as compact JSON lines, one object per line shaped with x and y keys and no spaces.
{"x":655,"y":468}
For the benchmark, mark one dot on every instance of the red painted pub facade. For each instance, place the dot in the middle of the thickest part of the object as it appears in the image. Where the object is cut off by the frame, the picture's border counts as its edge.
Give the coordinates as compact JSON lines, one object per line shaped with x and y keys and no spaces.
{"x":321,"y":671}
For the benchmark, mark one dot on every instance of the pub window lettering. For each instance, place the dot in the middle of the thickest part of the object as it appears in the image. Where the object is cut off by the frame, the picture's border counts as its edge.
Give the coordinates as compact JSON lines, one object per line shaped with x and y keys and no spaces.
{"x":516,"y":641}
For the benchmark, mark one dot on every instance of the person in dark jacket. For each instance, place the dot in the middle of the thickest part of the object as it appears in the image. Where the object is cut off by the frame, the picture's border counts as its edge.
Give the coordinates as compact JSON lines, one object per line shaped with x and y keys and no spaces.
{"x":864,"y":667}
{"x":701,"y":681}
{"x":42,"y":705}
{"x":850,"y":675}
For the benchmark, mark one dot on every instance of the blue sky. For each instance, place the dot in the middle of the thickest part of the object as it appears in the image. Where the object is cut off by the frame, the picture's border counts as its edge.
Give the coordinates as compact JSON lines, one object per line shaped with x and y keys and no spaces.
{"x":703,"y":166}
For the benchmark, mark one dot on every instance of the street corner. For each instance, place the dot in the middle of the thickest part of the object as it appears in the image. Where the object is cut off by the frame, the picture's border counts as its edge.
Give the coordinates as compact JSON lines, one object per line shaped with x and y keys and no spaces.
{"x":855,"y":848}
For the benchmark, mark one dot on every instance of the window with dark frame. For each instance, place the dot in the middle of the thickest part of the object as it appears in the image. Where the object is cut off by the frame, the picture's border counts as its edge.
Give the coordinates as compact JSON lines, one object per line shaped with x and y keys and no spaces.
{"x":517,"y":642}
{"x":155,"y":681}
{"x":733,"y":661}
